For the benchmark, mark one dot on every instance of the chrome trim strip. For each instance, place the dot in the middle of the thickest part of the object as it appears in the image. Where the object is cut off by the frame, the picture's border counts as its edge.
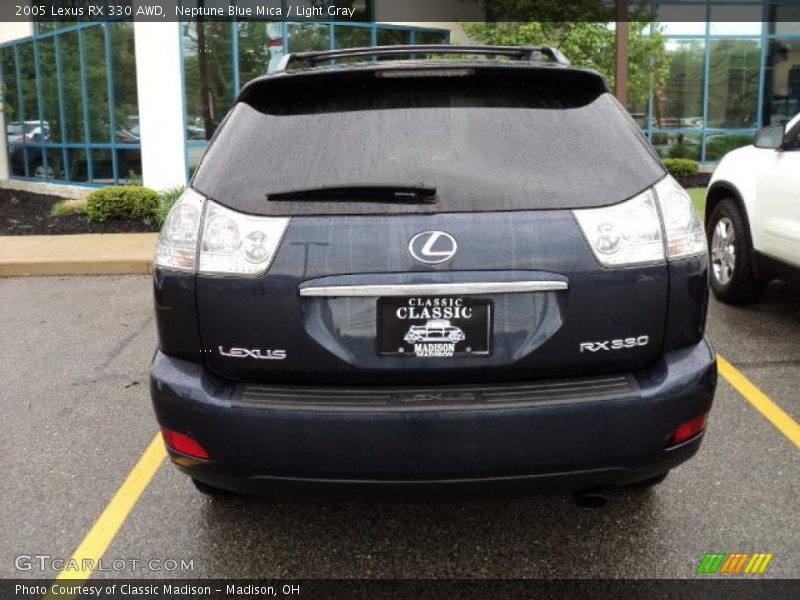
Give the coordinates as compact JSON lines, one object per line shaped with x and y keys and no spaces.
{"x":431,"y":289}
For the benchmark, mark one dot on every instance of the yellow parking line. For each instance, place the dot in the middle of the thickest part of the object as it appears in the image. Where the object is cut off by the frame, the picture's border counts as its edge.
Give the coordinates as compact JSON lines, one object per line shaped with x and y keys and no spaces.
{"x":99,"y":537}
{"x":771,"y":411}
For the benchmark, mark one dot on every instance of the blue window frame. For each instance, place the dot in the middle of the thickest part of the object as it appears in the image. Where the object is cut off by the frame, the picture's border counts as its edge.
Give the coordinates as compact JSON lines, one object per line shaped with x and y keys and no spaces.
{"x":71,"y":106}
{"x":741,"y":85}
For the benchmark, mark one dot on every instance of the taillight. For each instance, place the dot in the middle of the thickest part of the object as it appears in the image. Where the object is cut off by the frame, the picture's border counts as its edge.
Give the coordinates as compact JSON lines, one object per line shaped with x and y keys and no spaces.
{"x":177,"y":243}
{"x":688,"y":430}
{"x":624,"y":234}
{"x":233,"y":243}
{"x":657,"y":225}
{"x":682,"y":227}
{"x":180,"y":442}
{"x":200,"y":236}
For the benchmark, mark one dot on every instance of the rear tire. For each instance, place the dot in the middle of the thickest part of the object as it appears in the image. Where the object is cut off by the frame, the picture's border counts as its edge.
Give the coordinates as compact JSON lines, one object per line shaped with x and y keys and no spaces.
{"x":733,"y":280}
{"x":210,"y":490}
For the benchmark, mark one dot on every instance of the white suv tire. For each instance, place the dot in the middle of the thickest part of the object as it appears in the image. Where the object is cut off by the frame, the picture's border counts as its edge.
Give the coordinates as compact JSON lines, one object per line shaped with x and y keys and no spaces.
{"x":733,"y":279}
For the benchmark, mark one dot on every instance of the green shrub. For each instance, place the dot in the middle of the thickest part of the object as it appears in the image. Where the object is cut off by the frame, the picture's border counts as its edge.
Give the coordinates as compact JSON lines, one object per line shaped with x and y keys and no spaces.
{"x":681,"y":167}
{"x":165,"y":201}
{"x":681,"y":150}
{"x":719,"y":146}
{"x":126,"y":202}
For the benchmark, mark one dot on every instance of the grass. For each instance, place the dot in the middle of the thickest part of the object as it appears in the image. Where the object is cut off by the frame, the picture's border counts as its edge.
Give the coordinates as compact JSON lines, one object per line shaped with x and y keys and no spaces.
{"x":165,"y":201}
{"x":698,"y":195}
{"x":68,"y":207}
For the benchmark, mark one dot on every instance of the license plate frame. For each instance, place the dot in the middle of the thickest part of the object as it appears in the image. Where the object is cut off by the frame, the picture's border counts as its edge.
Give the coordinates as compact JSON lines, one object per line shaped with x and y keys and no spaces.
{"x":434,"y":326}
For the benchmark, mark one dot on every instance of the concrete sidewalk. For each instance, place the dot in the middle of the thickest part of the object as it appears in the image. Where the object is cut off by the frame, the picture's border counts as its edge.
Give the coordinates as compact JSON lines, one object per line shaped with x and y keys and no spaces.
{"x":90,"y":254}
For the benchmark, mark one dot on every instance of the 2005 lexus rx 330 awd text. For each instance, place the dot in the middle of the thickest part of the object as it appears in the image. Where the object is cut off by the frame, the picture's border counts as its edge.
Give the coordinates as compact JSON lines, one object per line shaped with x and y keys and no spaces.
{"x":428,"y":272}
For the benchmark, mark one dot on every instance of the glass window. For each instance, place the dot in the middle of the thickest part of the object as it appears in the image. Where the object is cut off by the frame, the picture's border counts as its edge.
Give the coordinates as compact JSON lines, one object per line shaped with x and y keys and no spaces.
{"x":94,"y":48}
{"x":782,"y":81}
{"x":208,"y":74}
{"x":430,"y":37}
{"x":15,"y":129}
{"x":254,"y":50}
{"x":676,"y":145}
{"x":718,"y":144}
{"x":679,"y":103}
{"x":129,"y":166}
{"x":10,"y":96}
{"x":78,"y":165}
{"x":393,"y":37}
{"x":69,"y":55}
{"x":433,"y":131}
{"x":48,"y":138}
{"x":352,"y":37}
{"x":48,"y":80}
{"x":733,"y":84}
{"x":304,"y":37}
{"x":27,"y":75}
{"x":126,"y":101}
{"x":55,"y":164}
{"x":102,"y":166}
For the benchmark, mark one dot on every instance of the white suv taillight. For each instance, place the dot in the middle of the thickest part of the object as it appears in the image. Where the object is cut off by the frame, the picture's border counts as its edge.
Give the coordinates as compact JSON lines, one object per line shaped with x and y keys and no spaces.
{"x":177,"y":243}
{"x":633,"y":232}
{"x":685,"y":234}
{"x":230,"y":243}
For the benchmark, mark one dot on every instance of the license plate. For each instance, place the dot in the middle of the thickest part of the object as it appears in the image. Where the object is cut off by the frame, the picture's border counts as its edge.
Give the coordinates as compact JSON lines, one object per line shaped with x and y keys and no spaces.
{"x":434,"y":327}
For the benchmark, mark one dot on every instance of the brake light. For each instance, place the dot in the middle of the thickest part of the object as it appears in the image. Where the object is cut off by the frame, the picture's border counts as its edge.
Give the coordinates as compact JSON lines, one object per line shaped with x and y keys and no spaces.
{"x":177,"y":243}
{"x":180,"y":442}
{"x":689,"y":429}
{"x":201,"y":236}
{"x":233,"y":243}
{"x":657,"y":225}
{"x":682,"y":227}
{"x":624,"y":234}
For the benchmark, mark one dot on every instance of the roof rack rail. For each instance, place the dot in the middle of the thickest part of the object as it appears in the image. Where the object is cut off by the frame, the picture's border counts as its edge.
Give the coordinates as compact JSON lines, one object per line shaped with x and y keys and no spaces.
{"x":530,"y":53}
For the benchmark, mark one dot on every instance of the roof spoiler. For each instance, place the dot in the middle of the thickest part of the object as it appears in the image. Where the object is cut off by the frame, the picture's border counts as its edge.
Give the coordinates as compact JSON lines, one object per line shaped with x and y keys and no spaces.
{"x":528,"y":53}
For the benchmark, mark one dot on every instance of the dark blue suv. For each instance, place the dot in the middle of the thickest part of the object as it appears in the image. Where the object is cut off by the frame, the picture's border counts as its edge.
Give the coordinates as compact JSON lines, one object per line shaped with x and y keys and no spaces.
{"x":406,"y":269}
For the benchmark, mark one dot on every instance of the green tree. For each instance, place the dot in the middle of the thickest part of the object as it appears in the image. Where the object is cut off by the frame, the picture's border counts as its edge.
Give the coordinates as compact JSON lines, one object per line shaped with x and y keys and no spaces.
{"x":589,"y":44}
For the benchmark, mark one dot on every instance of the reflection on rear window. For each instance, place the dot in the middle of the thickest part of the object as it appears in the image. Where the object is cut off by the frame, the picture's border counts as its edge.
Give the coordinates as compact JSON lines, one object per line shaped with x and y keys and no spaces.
{"x":485,"y":142}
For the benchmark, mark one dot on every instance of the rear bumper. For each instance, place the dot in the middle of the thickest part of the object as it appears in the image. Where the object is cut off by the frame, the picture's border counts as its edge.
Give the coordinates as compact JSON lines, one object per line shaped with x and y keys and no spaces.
{"x":564,"y":434}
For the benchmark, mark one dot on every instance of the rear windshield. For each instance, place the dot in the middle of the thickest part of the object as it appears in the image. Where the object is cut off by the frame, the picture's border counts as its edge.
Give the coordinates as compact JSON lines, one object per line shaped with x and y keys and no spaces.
{"x":483,"y":142}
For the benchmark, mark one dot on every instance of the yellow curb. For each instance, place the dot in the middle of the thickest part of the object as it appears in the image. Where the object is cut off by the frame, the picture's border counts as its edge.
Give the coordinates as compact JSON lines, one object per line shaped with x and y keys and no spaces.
{"x":89,"y":254}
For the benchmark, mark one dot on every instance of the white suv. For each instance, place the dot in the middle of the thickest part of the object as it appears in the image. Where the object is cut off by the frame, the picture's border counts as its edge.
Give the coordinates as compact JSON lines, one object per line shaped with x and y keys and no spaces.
{"x":753,"y":215}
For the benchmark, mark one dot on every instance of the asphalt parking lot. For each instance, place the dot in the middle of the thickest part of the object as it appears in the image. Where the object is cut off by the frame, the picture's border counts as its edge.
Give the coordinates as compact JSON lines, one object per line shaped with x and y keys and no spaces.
{"x":77,"y":418}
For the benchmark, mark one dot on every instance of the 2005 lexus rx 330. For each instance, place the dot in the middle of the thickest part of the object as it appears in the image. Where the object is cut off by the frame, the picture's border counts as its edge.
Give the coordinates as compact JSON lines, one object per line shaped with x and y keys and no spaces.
{"x":430,"y":272}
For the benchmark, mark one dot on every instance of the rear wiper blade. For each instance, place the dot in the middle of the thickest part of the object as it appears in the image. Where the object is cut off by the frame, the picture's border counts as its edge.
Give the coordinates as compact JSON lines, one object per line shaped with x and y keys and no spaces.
{"x":406,"y":194}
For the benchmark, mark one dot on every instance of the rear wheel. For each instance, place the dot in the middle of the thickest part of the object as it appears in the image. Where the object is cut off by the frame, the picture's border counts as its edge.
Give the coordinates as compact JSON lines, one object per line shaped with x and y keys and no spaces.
{"x":210,"y":490}
{"x":732,"y":278}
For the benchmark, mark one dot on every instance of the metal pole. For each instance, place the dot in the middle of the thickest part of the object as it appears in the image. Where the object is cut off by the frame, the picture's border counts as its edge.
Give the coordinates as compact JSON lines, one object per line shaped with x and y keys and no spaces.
{"x":621,"y":59}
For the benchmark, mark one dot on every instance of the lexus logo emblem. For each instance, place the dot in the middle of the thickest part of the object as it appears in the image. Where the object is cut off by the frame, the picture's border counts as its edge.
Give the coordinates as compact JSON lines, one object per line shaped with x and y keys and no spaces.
{"x":433,"y":247}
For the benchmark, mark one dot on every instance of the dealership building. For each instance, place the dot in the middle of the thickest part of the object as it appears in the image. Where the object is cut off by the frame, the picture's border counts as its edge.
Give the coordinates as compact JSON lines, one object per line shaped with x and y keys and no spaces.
{"x":89,"y":104}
